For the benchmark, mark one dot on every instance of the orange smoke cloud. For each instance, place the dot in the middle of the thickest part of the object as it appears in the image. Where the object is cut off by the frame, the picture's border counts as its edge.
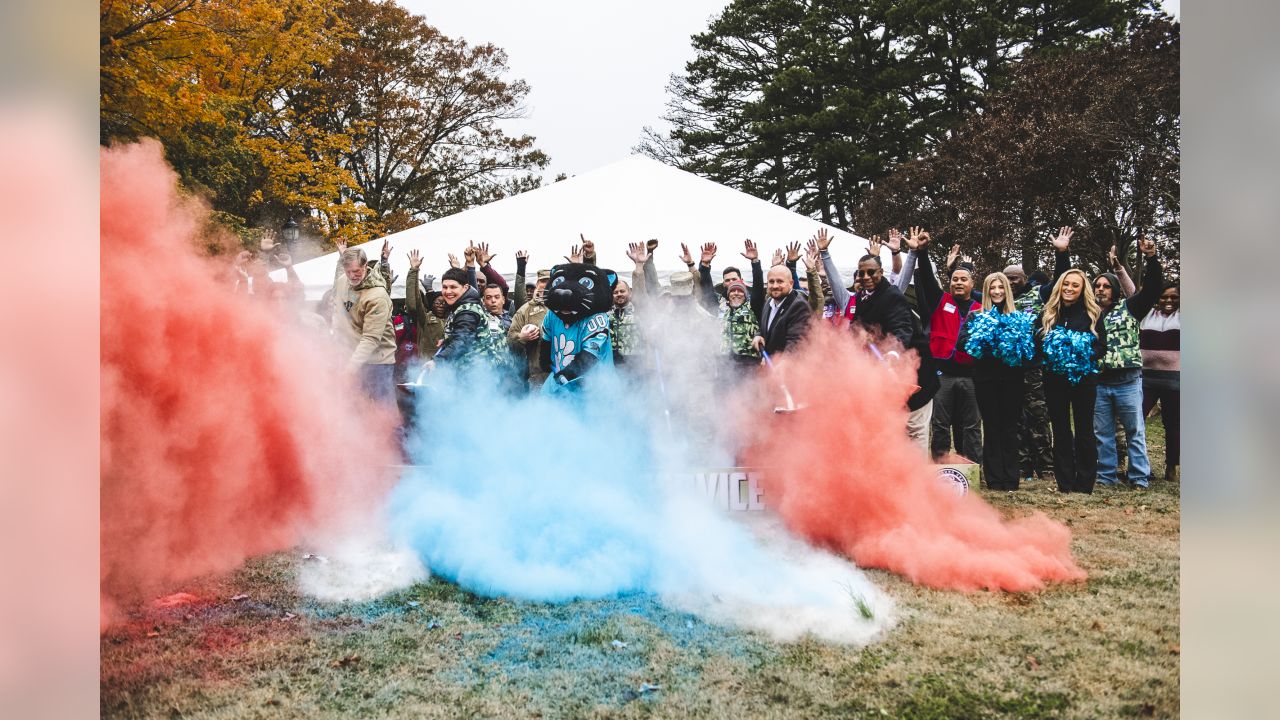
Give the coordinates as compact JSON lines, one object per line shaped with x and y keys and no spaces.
{"x":225,"y":431}
{"x":853,"y":481}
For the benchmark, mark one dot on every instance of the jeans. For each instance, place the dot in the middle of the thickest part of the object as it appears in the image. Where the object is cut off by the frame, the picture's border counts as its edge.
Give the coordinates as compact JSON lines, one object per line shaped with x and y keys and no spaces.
{"x":956,"y":403}
{"x":1121,"y":405}
{"x":1075,"y":454}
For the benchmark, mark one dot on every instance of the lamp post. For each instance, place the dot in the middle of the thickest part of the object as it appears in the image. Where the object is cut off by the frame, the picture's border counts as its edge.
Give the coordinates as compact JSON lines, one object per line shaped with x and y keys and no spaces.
{"x":290,"y":233}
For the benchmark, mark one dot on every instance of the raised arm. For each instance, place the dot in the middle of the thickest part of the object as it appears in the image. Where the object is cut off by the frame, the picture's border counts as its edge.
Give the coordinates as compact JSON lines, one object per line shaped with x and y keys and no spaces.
{"x":928,"y":291}
{"x":1061,"y":260}
{"x":1152,"y":282}
{"x":491,"y":276}
{"x":413,"y":304}
{"x":838,"y":290}
{"x":793,"y":259}
{"x":639,"y":255}
{"x":706,"y":287}
{"x":752,"y":255}
{"x":521,"y":295}
{"x":1121,"y":272}
{"x":588,"y":250}
{"x":894,"y":243}
{"x":908,"y":270}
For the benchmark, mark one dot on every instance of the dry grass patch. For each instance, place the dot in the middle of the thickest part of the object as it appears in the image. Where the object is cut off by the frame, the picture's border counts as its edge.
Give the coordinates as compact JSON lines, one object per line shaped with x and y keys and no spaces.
{"x":1104,"y":648}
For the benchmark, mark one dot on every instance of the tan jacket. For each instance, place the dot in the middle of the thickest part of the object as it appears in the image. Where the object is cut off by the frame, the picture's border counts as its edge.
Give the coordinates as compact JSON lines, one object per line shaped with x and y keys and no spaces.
{"x":362,"y":319}
{"x":531,"y":313}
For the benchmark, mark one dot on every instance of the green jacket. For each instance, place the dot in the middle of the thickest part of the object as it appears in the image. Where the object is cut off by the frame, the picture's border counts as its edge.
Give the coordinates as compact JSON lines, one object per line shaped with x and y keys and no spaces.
{"x":430,"y":327}
{"x":740,"y":327}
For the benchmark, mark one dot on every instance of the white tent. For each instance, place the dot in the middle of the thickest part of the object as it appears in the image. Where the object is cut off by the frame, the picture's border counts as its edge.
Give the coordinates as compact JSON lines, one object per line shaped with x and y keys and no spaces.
{"x":631,"y":200}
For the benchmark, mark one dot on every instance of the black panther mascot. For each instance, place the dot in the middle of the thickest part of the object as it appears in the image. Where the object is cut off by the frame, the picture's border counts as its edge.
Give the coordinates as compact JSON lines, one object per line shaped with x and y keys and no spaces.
{"x":575,"y":333}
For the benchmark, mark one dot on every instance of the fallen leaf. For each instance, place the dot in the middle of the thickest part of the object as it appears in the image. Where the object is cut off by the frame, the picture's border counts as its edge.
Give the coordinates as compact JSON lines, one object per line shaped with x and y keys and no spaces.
{"x":1032,"y":662}
{"x":153,"y":634}
{"x":1175,"y":649}
{"x":1096,"y":626}
{"x":239,"y":598}
{"x":1128,"y":511}
{"x":289,"y":616}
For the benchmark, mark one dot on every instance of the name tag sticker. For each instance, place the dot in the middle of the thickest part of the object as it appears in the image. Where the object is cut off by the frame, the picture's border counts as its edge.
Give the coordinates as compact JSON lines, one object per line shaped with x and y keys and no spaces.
{"x":949,"y":308}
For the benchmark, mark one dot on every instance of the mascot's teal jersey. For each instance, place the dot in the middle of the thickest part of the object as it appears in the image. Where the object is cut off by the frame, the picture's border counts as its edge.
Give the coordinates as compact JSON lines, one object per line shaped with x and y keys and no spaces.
{"x":590,"y":334}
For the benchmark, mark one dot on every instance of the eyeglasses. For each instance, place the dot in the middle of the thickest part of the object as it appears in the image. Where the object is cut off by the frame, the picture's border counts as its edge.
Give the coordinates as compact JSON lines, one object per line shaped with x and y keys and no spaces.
{"x":866,"y":273}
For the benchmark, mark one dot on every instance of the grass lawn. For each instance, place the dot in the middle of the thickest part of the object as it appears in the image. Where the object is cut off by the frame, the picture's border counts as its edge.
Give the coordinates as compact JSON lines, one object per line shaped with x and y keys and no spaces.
{"x":1104,"y":648}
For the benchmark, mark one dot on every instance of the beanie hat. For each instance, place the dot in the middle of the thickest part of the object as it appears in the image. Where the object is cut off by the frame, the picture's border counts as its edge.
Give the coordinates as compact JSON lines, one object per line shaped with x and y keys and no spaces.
{"x":735,"y":284}
{"x":1117,"y":292}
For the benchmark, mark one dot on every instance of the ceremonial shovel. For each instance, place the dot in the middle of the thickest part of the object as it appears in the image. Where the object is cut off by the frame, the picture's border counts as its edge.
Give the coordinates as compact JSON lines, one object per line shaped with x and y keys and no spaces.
{"x":791,"y":405}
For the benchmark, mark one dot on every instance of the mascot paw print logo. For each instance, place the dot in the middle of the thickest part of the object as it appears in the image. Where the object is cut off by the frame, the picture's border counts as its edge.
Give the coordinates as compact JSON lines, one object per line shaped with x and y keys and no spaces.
{"x":566,"y":350}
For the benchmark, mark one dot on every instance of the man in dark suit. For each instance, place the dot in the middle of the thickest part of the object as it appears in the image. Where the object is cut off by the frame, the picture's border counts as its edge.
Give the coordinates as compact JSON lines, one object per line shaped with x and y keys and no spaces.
{"x":786,"y":314}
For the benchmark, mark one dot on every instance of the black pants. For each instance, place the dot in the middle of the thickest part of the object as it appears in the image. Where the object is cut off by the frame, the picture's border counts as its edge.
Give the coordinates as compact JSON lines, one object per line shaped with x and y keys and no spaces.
{"x":1000,"y":403}
{"x":956,"y":404}
{"x":1164,"y":386}
{"x":1075,"y":455}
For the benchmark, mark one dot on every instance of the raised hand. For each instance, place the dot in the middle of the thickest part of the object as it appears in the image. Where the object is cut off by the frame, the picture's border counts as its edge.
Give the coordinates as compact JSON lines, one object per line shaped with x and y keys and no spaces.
{"x":1147,"y":246}
{"x":588,"y":247}
{"x":894,"y":242}
{"x":575,"y":254}
{"x":1063,"y":241}
{"x":778,"y":258}
{"x":638,"y":252}
{"x":793,"y":252}
{"x":750,"y":251}
{"x":874,"y":245}
{"x":483,"y":254}
{"x":453,"y":260}
{"x":341,"y":245}
{"x":386,"y":251}
{"x":823,"y":239}
{"x":469,"y":253}
{"x":522,"y":256}
{"x":708,"y":253}
{"x":415,"y":259}
{"x":917,"y":238}
{"x":284,"y":259}
{"x":685,"y":255}
{"x":953,"y":255}
{"x":811,"y":257}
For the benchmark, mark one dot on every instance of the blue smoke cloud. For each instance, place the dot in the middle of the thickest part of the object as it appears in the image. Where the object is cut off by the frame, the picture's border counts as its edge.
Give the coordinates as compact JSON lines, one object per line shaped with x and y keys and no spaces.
{"x":553,"y":498}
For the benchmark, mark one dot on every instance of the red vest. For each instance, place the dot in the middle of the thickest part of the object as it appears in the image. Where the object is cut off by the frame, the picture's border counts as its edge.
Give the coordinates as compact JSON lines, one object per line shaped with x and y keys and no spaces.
{"x":944,"y":330}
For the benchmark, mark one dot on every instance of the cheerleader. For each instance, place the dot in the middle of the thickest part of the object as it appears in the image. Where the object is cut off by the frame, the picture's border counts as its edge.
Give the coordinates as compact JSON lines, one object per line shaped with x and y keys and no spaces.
{"x":1000,"y":338}
{"x":1071,"y":338}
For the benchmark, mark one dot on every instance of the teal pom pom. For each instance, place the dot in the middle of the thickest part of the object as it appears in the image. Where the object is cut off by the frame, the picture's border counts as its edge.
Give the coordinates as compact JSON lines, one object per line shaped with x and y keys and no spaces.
{"x":1069,"y":353}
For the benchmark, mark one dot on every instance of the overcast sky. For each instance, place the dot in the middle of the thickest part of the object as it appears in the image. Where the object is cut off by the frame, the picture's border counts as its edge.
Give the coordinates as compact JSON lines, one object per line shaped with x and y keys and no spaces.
{"x":598,"y":70}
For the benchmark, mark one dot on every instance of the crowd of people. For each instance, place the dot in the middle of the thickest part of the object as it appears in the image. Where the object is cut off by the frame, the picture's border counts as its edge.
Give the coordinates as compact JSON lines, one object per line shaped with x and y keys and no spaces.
{"x":1028,"y":375}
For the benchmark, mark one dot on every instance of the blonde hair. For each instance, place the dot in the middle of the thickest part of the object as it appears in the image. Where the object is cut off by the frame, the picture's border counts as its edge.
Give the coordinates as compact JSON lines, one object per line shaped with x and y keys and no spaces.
{"x":1007,"y":305}
{"x":1054,"y":305}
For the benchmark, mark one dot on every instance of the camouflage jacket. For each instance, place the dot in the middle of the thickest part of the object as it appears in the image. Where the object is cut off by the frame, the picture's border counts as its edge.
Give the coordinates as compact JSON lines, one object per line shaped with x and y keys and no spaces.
{"x":1122,"y":339}
{"x":1030,"y":302}
{"x":624,"y":331}
{"x":740,"y":327}
{"x":490,"y":343}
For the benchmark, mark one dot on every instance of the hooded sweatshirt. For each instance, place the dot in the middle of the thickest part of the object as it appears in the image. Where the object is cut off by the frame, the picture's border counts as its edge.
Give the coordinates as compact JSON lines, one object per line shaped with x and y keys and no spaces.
{"x":362,"y":319}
